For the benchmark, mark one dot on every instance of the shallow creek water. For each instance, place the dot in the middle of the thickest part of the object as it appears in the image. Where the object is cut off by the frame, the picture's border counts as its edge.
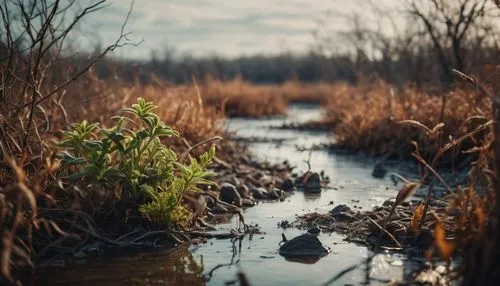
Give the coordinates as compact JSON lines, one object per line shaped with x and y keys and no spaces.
{"x":257,"y":256}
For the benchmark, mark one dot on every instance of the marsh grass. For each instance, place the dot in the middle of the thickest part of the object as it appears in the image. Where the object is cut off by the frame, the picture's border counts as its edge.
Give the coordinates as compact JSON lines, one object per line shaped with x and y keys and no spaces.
{"x":368,"y":117}
{"x":239,"y":98}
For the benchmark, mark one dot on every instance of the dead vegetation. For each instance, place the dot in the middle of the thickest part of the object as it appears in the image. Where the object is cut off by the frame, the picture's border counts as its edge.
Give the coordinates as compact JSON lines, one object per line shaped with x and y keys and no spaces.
{"x":238,"y":98}
{"x":369,"y":117}
{"x":433,"y":130}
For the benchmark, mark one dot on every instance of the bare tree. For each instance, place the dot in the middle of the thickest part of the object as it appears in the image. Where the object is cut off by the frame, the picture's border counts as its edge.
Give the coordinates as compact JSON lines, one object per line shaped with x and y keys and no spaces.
{"x":450,"y":25}
{"x":33,"y":36}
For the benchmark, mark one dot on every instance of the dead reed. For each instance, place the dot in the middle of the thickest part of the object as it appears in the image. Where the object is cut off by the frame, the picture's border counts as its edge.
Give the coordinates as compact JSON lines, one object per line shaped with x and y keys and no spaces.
{"x":367,"y":117}
{"x":238,"y":98}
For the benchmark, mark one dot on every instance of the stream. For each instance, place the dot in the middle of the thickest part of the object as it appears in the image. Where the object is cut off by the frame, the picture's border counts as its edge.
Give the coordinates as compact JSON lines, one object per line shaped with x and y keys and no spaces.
{"x":219,"y":261}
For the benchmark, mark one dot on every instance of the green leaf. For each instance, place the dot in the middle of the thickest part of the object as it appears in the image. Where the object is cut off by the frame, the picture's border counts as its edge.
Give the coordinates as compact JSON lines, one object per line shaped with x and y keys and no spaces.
{"x":135,"y":161}
{"x":150,"y":191}
{"x":69,"y":159}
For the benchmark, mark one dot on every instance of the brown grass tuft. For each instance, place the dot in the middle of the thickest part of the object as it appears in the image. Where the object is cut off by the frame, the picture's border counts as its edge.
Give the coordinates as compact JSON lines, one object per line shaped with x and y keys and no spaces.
{"x":369,"y":117}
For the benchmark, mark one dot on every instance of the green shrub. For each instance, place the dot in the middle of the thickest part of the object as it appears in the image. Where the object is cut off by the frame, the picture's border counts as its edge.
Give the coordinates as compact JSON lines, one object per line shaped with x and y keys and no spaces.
{"x":136,"y":162}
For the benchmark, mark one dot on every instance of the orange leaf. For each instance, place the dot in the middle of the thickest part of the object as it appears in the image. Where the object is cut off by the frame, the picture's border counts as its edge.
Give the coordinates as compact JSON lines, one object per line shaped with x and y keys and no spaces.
{"x":481,"y":218}
{"x":444,"y":246}
{"x":416,"y":218}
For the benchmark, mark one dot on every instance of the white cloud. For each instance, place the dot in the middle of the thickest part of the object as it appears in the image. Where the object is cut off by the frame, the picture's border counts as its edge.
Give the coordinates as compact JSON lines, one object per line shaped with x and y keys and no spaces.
{"x":226,"y":27}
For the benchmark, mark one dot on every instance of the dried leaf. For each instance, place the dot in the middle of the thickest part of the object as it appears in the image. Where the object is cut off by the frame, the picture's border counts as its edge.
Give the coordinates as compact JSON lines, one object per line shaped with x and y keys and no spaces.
{"x":445,"y":247}
{"x":416,"y":218}
{"x":306,"y":177}
{"x":436,"y":129}
{"x":62,"y":232}
{"x":481,"y":218}
{"x":5,"y":255}
{"x":28,"y":194}
{"x":407,"y":191}
{"x":20,"y":176}
{"x":417,"y":124}
{"x":22,"y":255}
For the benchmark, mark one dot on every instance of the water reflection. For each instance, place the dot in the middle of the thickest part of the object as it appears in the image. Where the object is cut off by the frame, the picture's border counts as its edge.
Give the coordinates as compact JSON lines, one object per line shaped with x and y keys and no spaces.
{"x":172,"y":267}
{"x":309,"y":260}
{"x":235,"y":258}
{"x":312,"y":197}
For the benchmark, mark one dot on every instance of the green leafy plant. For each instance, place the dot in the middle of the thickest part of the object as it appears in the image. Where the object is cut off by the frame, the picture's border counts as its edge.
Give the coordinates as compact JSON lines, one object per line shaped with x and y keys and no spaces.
{"x":136,"y":162}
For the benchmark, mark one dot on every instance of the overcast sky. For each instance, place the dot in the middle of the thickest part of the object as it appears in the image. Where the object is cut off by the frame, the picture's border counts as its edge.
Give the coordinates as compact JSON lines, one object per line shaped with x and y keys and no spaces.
{"x":225,"y":27}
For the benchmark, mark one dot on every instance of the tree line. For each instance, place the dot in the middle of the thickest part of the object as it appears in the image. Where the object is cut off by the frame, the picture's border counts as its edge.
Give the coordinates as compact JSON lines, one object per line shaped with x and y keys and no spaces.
{"x":418,"y":42}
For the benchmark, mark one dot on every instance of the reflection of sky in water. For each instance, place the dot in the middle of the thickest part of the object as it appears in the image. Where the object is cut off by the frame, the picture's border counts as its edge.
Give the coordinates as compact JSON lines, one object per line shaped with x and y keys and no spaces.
{"x":354,"y":186}
{"x":353,"y":181}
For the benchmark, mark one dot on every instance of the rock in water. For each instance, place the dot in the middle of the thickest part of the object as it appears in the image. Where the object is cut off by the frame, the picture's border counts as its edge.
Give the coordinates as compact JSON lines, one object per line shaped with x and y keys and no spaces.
{"x":313,"y":183}
{"x":379,"y":170}
{"x":229,"y":194}
{"x":303,"y":246}
{"x":287,"y":185}
{"x":274,"y":194}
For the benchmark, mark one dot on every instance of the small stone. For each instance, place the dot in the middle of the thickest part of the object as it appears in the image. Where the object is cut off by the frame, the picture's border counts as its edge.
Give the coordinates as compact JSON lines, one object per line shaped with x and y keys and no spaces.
{"x":245,"y":160}
{"x":247,"y":203}
{"x":210,"y":201}
{"x":342,"y":213}
{"x":233,"y":180}
{"x":303,"y":246}
{"x":339,"y":209}
{"x":379,"y":170}
{"x":313,"y":183}
{"x":266,"y":181}
{"x":258,"y":175}
{"x":243,"y":190}
{"x":345,"y":216}
{"x":229,"y":194}
{"x":330,"y":203}
{"x":258,"y":193}
{"x":218,"y":209}
{"x":249,"y":185}
{"x":387,"y":203}
{"x":287,"y":185}
{"x":314,"y":230}
{"x":274,"y":194}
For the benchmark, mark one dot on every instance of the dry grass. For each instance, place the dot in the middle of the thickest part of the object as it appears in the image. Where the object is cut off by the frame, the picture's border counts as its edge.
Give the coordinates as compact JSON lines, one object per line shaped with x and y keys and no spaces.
{"x":367,"y":117}
{"x":41,"y":215}
{"x":181,"y":107}
{"x":381,"y":119}
{"x":238,"y":98}
{"x":54,"y":216}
